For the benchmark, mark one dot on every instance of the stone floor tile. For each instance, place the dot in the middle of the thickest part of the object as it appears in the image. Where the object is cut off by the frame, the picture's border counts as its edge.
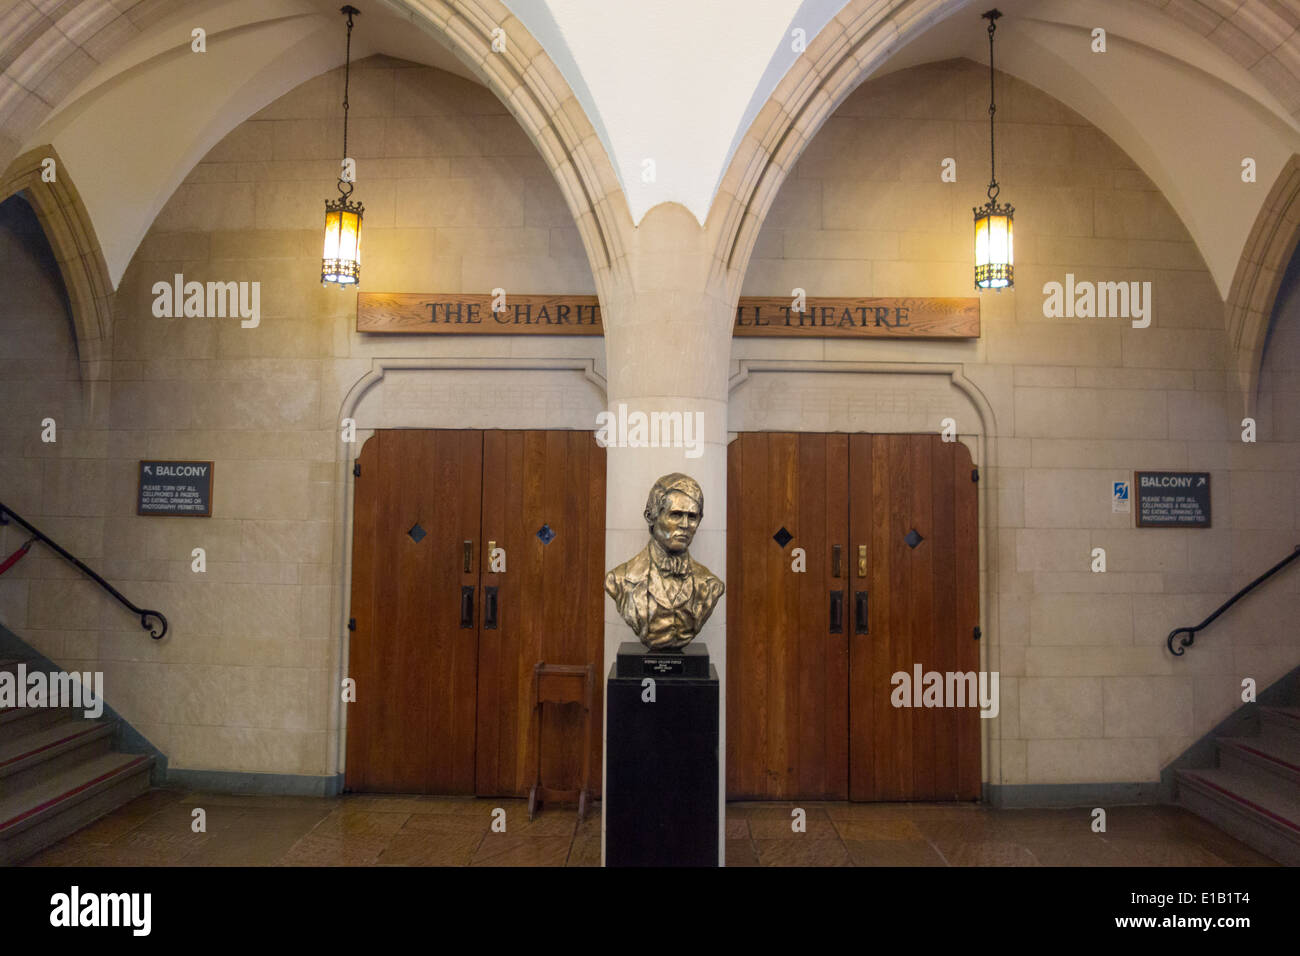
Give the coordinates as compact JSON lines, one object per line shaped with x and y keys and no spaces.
{"x":893,"y":853}
{"x":504,"y":849}
{"x":802,"y":852}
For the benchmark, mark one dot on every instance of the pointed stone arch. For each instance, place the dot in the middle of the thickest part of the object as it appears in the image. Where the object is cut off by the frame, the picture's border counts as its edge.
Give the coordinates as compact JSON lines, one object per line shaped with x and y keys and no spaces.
{"x":68,"y":229}
{"x":1255,"y":285}
{"x":847,"y":50}
{"x":525,"y":78}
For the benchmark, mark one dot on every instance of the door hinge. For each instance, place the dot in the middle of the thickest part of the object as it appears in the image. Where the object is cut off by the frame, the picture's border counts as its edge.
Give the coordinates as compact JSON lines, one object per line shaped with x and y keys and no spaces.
{"x":356,"y":469}
{"x":974,"y":474}
{"x":977,"y":633}
{"x":352,"y":624}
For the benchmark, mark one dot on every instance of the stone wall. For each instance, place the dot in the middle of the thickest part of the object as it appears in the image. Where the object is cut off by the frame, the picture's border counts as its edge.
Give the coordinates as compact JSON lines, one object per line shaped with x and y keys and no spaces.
{"x":1090,"y":694}
{"x":456,"y":199}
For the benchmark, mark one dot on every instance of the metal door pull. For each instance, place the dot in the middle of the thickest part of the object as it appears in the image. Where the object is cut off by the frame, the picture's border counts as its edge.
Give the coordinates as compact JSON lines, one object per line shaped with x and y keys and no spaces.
{"x":467,"y":606}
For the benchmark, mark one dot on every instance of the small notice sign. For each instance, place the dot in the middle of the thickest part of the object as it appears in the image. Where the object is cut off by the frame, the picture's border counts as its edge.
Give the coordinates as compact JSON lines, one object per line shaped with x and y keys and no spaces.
{"x":1173,"y":499}
{"x":1119,"y":498}
{"x":176,"y":488}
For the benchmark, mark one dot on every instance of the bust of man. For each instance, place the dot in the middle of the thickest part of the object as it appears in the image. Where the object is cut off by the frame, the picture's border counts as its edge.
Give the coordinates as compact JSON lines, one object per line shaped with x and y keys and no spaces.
{"x":663,"y":594}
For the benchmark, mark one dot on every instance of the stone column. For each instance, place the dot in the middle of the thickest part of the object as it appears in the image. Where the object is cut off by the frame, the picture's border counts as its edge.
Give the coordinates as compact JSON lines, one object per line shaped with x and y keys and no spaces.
{"x":668,"y":324}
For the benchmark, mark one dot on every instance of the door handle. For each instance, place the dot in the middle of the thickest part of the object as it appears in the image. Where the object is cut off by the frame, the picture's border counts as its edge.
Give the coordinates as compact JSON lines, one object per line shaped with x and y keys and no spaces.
{"x":837,"y":612}
{"x":860,"y":620}
{"x":862,"y":560}
{"x":490,"y":608}
{"x":467,"y":605}
{"x":835,"y":560}
{"x":469,"y":555}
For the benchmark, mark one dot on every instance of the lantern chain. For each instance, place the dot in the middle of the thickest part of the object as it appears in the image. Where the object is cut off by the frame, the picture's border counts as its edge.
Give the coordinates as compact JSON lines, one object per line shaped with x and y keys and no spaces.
{"x":345,"y":187}
{"x":994,"y":188}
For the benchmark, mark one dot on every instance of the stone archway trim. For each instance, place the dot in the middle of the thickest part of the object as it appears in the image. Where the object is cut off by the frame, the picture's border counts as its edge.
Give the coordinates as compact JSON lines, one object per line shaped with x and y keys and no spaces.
{"x":847,"y":50}
{"x":380,"y":368}
{"x":1269,"y":249}
{"x":532,"y":87}
{"x":71,"y":235}
{"x":983,"y":446}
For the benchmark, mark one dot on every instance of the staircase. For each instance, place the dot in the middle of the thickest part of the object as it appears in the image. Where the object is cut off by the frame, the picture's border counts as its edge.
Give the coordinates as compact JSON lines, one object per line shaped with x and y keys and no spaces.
{"x":1254,"y":792}
{"x":58,"y":773}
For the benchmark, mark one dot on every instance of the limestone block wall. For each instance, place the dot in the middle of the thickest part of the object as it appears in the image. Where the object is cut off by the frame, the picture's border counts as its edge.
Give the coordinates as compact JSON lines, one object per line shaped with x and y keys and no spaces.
{"x":1089,"y":692}
{"x":457,"y":199}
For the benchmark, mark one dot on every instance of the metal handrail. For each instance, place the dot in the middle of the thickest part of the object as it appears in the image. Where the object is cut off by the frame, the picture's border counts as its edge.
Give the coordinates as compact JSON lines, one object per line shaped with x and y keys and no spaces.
{"x":1191,"y":631}
{"x":145,"y":613}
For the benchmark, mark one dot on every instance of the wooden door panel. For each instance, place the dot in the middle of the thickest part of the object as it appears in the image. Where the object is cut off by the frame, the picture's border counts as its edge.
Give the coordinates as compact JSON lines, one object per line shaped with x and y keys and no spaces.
{"x":866,"y":698}
{"x":923,"y":609}
{"x":363,"y":645}
{"x":944,"y":604}
{"x":920,"y":617}
{"x":787,"y":713}
{"x":412,"y":726}
{"x":550,"y":604}
{"x":809,"y":714}
{"x":966,"y":534}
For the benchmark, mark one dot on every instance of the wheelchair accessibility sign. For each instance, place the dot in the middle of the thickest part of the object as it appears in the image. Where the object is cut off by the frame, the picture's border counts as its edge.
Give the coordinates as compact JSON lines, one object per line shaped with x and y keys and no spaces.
{"x":1119,"y":498}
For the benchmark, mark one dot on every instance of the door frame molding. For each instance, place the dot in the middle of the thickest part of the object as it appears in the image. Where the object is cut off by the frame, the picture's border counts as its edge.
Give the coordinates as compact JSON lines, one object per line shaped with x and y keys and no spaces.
{"x":983,"y":446}
{"x":584,"y":368}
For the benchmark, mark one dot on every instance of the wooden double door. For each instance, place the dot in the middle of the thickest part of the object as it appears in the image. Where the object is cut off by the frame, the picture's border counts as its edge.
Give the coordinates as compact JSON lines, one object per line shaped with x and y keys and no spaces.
{"x":444,"y":642}
{"x":888,"y":525}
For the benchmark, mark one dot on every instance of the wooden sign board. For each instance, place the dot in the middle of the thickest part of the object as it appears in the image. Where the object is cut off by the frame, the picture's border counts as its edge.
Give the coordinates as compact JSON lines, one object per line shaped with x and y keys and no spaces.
{"x":469,"y":314}
{"x":860,"y":318}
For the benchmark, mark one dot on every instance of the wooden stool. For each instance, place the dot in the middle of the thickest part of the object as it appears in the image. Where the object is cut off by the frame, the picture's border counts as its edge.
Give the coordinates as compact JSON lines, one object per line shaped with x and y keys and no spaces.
{"x":561,"y":684}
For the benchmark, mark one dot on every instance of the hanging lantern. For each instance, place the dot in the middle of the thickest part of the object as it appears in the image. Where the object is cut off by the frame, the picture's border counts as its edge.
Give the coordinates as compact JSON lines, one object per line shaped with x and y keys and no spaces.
{"x":994,"y":221}
{"x":994,"y":252}
{"x":341,"y":258}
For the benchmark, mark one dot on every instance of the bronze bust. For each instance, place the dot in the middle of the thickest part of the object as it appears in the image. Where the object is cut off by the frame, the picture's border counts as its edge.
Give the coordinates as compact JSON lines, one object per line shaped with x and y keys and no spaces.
{"x":663,"y":594}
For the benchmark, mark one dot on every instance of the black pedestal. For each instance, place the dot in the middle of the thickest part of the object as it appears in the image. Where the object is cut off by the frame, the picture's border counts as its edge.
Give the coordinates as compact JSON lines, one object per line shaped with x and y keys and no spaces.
{"x":661,"y":767}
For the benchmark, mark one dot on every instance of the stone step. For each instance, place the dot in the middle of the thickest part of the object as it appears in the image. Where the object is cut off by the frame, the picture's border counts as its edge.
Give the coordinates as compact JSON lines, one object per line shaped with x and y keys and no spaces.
{"x":46,"y":812}
{"x":1248,"y":806}
{"x":10,"y":664}
{"x":44,"y":751}
{"x":1277,"y":756}
{"x":15,"y":721}
{"x":1280,"y":722}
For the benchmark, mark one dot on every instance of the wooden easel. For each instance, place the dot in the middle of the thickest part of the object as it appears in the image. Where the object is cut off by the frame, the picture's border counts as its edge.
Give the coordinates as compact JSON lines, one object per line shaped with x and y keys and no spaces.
{"x":561,"y":684}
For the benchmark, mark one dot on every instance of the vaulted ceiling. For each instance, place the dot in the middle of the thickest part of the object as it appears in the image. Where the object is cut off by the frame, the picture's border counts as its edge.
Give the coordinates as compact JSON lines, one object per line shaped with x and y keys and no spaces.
{"x":1187,"y":87}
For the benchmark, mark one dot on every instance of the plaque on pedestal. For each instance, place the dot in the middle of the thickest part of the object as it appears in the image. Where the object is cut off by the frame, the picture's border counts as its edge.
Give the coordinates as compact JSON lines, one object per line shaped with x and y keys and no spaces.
{"x":661,"y":764}
{"x":637,"y":660}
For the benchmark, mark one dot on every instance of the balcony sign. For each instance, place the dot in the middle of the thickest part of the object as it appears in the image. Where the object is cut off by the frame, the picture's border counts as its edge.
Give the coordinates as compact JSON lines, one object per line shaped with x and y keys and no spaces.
{"x":1172,"y":499}
{"x":175,"y":489}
